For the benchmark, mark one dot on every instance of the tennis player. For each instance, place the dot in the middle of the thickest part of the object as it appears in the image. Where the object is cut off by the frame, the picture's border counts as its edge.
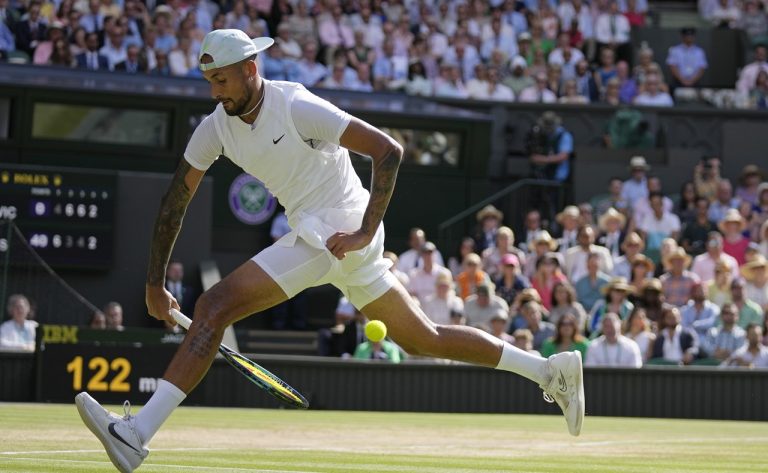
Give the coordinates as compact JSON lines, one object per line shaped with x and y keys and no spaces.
{"x":297,"y":144}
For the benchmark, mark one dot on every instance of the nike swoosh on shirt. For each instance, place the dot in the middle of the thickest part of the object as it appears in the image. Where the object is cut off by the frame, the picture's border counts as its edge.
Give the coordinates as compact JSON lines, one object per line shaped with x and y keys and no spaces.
{"x":114,"y":433}
{"x":276,"y":141}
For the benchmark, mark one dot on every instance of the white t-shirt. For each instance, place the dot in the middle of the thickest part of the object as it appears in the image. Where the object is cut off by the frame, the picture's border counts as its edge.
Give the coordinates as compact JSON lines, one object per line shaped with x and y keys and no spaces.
{"x":15,"y":338}
{"x":662,"y":99}
{"x":759,"y":360}
{"x":657,"y":230}
{"x":423,"y":284}
{"x":292,"y":147}
{"x":439,"y":310}
{"x":624,"y":353}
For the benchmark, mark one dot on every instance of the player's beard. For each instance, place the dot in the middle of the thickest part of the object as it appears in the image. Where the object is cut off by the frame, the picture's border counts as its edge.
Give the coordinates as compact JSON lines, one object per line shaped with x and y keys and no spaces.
{"x":241,"y":106}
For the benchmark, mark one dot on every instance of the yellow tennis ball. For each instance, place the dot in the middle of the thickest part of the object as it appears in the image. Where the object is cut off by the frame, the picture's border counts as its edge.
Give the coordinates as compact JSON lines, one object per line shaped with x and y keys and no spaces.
{"x":375,"y":330}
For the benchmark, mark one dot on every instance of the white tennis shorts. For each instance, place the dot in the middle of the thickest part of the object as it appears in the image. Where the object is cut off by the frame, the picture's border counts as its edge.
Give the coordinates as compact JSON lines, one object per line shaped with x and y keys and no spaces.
{"x":300,"y":259}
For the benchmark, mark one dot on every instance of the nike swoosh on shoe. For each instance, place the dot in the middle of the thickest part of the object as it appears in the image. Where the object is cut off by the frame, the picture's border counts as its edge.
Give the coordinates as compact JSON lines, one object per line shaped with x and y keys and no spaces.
{"x":114,"y":433}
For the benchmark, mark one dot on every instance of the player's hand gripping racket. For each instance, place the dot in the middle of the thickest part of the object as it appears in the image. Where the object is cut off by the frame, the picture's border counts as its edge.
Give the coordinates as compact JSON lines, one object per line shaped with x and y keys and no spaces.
{"x":255,"y":373}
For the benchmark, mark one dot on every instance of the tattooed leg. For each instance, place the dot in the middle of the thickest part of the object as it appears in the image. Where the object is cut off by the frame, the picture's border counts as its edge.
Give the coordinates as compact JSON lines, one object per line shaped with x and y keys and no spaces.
{"x":245,"y":291}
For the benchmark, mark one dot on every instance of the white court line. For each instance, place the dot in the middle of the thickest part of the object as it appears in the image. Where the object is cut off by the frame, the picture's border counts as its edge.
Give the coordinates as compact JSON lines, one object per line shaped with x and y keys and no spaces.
{"x":181,"y":449}
{"x":159,"y":465}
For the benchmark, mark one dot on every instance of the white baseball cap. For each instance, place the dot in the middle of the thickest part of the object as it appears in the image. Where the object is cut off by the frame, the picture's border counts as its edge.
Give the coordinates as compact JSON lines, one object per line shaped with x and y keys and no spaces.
{"x":230,"y":46}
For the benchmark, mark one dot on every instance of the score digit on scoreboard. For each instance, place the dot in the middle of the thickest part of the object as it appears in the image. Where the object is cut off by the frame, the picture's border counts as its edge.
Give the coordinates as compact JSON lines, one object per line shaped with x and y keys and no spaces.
{"x":66,"y":214}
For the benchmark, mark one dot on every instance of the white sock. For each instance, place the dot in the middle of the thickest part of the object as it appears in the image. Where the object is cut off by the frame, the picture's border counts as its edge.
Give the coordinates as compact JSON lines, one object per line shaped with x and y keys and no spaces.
{"x":525,"y":364}
{"x":157,"y":410}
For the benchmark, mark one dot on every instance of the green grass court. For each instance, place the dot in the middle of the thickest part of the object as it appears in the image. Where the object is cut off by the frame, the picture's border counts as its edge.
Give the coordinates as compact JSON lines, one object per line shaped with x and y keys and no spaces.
{"x":51,"y":438}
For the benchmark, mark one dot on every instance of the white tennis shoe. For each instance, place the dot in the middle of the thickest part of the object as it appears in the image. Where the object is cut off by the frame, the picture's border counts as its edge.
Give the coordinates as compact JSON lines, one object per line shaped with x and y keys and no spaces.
{"x":566,"y":388}
{"x":117,"y":434}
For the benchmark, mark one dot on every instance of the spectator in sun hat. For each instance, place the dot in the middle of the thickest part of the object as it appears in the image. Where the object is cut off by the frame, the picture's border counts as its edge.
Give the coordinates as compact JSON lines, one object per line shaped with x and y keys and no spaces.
{"x":612,"y":234}
{"x":489,"y":220}
{"x":519,"y":79}
{"x":651,"y":298}
{"x":541,"y":244}
{"x":636,"y":187}
{"x":510,"y":281}
{"x":568,"y":219}
{"x":641,"y":270}
{"x":704,"y":264}
{"x":756,"y":274}
{"x":631,"y":246}
{"x":734,"y":242}
{"x":677,"y":281}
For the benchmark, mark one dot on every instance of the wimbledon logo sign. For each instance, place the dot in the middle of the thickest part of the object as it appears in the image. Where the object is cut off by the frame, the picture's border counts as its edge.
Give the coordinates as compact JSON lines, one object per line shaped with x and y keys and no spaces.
{"x":250,"y":201}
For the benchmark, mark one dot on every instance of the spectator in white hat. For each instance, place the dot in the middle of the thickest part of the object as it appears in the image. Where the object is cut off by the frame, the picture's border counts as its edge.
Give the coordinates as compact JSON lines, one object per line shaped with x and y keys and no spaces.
{"x":519,"y":79}
{"x":636,"y":187}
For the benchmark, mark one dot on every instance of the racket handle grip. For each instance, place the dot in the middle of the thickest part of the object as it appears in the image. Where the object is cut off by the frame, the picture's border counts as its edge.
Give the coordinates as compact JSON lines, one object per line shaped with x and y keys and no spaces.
{"x":181,"y":319}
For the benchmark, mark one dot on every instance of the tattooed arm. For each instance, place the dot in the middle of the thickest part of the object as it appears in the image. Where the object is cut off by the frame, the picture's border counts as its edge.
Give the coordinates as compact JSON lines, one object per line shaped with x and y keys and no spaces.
{"x":387,"y":155}
{"x":167,"y":226}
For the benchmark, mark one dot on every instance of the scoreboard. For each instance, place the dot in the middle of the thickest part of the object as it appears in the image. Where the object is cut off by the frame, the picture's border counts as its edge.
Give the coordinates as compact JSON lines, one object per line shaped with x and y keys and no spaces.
{"x":67,"y":215}
{"x":112,"y":365}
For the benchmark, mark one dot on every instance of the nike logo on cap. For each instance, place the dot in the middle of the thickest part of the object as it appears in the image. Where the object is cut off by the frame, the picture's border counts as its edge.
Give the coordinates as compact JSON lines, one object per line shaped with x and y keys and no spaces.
{"x":276,"y":141}
{"x":114,"y":433}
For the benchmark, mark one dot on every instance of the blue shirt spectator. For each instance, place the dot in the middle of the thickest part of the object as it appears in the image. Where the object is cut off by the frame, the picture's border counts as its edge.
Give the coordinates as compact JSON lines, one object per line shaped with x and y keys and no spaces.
{"x":717,"y":209}
{"x":7,"y":43}
{"x":701,"y":318}
{"x":686,"y":60}
{"x":311,"y":73}
{"x":564,"y":145}
{"x":517,"y":20}
{"x":280,"y":68}
{"x":636,"y":188}
{"x":165,"y":43}
{"x":588,"y":291}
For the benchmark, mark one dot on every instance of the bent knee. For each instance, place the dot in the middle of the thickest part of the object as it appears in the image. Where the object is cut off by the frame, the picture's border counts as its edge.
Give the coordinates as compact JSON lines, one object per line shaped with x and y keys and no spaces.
{"x":210,"y":310}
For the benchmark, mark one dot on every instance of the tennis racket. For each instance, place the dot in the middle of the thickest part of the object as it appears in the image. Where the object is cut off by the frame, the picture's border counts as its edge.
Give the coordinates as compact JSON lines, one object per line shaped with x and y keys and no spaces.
{"x":255,"y":373}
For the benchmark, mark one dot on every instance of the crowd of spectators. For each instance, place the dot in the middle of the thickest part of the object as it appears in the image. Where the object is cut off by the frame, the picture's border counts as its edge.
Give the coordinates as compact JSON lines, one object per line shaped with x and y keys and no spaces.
{"x":567,"y":51}
{"x":637,"y":276}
